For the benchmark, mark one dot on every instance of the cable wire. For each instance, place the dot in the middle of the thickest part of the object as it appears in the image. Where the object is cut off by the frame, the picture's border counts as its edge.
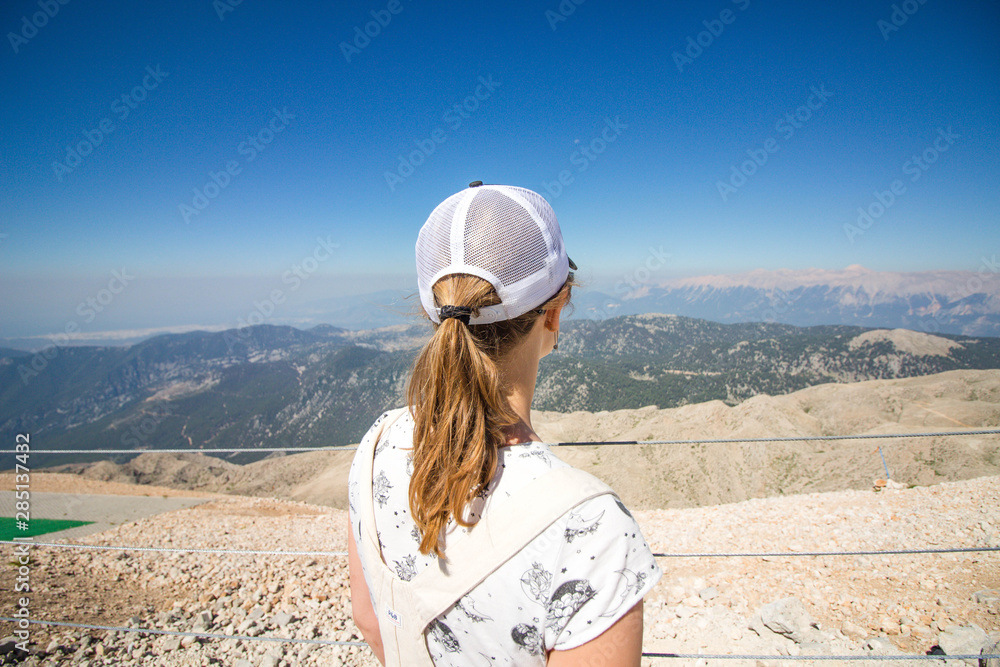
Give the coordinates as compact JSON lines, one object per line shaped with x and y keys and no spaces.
{"x":805,"y":438}
{"x":710,"y":441}
{"x":890,"y":552}
{"x":768,"y":554}
{"x":259,"y":552}
{"x":688,"y":656}
{"x":156,"y":631}
{"x":728,"y":656}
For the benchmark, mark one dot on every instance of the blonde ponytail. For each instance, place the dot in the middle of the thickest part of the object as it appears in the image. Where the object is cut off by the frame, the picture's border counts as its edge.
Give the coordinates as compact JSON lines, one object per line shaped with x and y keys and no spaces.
{"x":459,"y":404}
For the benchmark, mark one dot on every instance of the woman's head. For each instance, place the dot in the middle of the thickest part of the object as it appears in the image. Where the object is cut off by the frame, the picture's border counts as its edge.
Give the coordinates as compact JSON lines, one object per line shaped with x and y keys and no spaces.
{"x":490,"y":262}
{"x":506,"y":235}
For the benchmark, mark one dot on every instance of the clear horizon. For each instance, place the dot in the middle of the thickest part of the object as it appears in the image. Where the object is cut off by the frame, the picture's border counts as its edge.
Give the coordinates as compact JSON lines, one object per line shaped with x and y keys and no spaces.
{"x":299,"y":310}
{"x":174,"y":165}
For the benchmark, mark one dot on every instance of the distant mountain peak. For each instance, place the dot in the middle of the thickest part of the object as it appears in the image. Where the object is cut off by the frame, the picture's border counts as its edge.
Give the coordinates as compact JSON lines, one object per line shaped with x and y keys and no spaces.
{"x":960,"y":302}
{"x":911,"y":342}
{"x":856,"y":276}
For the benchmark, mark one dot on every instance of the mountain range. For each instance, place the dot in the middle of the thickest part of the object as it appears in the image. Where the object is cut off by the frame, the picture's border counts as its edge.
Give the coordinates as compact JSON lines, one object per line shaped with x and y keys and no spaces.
{"x":274,"y":386}
{"x":956,"y":302}
{"x":962,"y":302}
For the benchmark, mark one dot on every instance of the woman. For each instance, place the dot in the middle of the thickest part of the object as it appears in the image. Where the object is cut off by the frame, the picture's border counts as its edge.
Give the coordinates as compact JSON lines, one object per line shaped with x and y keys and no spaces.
{"x":469,"y":541}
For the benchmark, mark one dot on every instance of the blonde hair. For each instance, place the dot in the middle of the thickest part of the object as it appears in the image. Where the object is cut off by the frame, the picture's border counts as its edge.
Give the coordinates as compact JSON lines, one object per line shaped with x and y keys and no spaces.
{"x":459,"y":405}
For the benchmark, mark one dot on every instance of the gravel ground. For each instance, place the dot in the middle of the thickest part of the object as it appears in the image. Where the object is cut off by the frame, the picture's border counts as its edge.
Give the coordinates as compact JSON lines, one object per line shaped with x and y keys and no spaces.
{"x":797,"y":606}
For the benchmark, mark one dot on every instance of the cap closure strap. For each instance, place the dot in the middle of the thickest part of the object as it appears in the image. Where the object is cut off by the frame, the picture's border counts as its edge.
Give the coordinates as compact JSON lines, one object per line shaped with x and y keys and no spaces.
{"x":458,"y":312}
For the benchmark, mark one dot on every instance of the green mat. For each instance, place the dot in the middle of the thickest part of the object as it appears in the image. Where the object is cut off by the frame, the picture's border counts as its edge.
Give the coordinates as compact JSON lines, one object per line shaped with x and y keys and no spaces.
{"x":9,"y":529}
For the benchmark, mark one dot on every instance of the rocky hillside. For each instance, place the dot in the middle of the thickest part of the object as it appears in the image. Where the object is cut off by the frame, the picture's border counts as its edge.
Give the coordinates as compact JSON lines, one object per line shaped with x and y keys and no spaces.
{"x":666,"y":360}
{"x":272,"y":386}
{"x":657,"y":476}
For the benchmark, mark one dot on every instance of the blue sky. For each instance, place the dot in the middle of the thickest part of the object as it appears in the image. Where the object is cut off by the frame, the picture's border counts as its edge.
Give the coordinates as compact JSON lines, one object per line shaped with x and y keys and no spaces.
{"x":643,"y":111}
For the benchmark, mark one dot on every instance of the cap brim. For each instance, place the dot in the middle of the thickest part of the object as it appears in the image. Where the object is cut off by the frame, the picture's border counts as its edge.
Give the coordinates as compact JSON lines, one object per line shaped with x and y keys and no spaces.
{"x":572,"y":264}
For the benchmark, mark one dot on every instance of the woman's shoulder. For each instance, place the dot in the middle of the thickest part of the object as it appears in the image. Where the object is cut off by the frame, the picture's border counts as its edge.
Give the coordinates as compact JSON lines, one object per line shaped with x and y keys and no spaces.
{"x":390,"y":417}
{"x":386,"y":421}
{"x":386,"y":428}
{"x":523,"y":464}
{"x":519,"y":464}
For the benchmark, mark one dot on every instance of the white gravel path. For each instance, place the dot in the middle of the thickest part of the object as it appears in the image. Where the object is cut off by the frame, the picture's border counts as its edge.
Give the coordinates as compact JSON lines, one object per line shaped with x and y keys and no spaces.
{"x":862,"y":605}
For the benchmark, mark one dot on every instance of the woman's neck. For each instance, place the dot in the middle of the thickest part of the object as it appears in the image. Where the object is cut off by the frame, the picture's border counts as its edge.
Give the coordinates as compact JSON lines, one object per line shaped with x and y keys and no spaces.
{"x":519,"y":372}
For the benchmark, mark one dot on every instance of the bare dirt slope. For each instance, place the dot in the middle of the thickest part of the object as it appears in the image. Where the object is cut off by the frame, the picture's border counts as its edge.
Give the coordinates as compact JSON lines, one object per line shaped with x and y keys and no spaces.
{"x":657,"y":476}
{"x":54,"y":482}
{"x":652,"y":476}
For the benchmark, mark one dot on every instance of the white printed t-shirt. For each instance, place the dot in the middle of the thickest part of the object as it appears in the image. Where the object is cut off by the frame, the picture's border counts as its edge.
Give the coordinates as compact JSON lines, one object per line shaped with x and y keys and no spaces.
{"x":566,"y":587}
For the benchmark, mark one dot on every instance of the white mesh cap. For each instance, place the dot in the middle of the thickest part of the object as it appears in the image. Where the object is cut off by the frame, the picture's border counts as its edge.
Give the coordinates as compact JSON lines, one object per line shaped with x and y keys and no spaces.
{"x":503,"y":234}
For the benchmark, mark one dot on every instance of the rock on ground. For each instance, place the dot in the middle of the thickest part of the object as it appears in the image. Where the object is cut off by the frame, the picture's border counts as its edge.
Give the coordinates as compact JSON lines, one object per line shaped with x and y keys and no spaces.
{"x":794,"y":606}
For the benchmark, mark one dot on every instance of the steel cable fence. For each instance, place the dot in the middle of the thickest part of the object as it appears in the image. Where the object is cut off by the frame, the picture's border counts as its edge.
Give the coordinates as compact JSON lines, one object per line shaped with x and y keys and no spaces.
{"x":771,"y":554}
{"x":579,"y":443}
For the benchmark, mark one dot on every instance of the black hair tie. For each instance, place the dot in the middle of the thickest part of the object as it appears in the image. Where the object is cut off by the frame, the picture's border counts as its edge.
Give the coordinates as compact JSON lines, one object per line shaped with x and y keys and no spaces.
{"x":458,"y":312}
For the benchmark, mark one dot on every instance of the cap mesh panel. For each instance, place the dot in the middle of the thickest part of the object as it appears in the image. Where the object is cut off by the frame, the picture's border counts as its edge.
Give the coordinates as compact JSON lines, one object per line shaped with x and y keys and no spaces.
{"x":434,"y":241}
{"x":493,"y":251}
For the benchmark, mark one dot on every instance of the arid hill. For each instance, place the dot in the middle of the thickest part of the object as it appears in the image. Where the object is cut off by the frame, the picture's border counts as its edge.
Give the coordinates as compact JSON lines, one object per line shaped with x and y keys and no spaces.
{"x":659,"y":476}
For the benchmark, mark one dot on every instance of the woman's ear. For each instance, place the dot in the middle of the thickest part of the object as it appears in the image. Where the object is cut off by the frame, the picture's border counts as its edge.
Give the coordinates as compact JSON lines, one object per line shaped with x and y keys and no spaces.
{"x":552,"y":318}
